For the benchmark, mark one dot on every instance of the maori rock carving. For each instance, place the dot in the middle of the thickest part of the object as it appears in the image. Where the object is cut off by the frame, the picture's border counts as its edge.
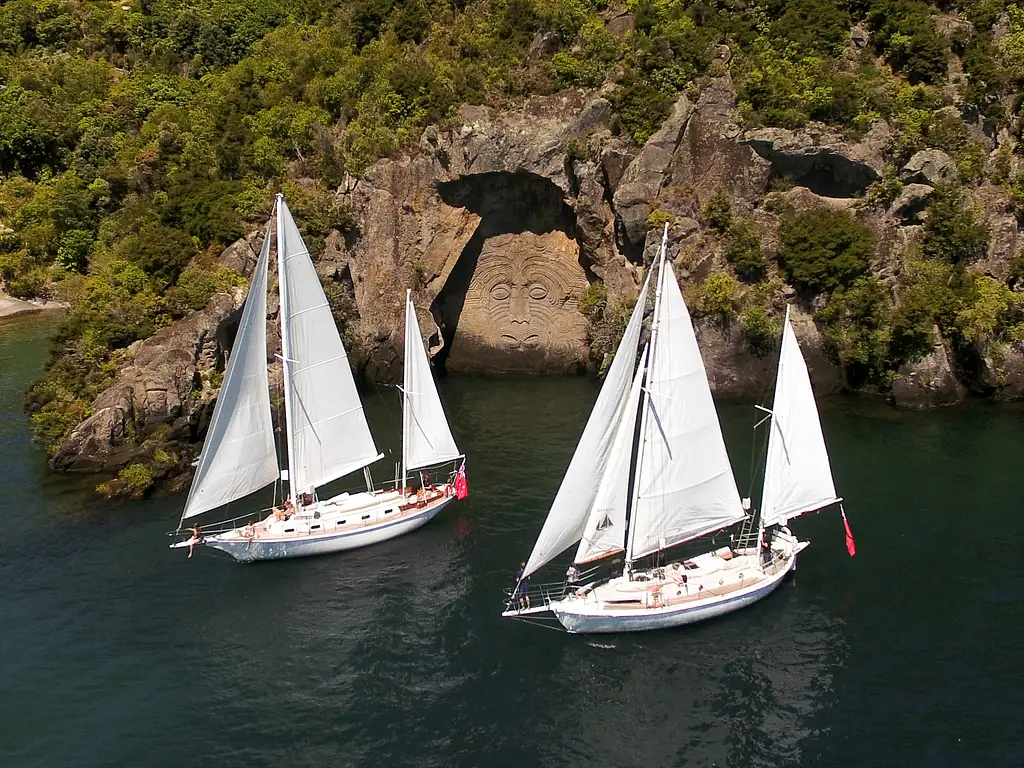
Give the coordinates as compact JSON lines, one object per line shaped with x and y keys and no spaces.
{"x":520,"y":310}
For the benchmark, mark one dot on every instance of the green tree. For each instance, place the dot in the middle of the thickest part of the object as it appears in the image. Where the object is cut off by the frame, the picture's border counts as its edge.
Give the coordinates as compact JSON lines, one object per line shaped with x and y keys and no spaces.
{"x":824,"y":250}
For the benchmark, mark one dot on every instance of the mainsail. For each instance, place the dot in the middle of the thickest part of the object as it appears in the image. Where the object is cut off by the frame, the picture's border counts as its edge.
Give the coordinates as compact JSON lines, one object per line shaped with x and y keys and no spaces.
{"x":427,"y":437}
{"x":605,"y":531}
{"x":685,"y":487}
{"x":575,"y":498}
{"x":328,"y":436}
{"x":798,"y":475}
{"x":238,"y":455}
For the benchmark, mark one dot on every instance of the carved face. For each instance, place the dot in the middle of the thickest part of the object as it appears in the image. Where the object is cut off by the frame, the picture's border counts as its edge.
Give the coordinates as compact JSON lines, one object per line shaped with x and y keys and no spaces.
{"x":522,"y":298}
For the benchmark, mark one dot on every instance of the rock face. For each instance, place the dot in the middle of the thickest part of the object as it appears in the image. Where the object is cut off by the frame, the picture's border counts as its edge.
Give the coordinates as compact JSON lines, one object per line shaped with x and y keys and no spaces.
{"x":160,"y":391}
{"x":818,"y":159}
{"x":929,"y":382}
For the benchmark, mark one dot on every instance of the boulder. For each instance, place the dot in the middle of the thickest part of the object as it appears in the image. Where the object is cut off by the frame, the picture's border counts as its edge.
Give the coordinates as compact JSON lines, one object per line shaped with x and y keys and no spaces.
{"x":910,"y":203}
{"x":930,"y":166}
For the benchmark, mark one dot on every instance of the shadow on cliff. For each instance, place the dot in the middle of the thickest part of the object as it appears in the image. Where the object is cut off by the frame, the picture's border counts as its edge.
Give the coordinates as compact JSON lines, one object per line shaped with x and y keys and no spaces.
{"x":507,"y":203}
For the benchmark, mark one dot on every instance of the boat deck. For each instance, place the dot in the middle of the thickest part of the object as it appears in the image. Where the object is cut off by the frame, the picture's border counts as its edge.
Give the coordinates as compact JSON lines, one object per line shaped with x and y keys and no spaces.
{"x":712,"y":574}
{"x":344,"y":513}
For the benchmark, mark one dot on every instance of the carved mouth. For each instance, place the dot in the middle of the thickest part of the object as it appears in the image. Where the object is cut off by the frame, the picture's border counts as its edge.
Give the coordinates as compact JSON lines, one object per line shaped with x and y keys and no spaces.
{"x":527,"y":342}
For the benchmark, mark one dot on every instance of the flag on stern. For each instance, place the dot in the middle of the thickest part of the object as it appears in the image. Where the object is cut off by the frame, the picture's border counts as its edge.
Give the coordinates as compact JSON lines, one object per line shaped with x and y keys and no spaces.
{"x":461,"y":488}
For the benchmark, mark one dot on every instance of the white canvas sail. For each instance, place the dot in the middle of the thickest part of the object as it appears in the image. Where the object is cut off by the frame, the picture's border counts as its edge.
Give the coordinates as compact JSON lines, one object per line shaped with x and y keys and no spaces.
{"x":685,"y":485}
{"x":605,"y":530}
{"x":238,"y":455}
{"x":328,"y":436}
{"x":798,"y":475}
{"x":568,"y":515}
{"x":427,"y":437}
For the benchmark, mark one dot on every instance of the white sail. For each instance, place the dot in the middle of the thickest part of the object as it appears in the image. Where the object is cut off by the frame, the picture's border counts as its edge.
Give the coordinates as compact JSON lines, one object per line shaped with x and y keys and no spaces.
{"x":685,"y":485}
{"x":568,"y":514}
{"x":797,"y":476}
{"x":328,"y":436}
{"x":427,"y":437}
{"x":605,"y":530}
{"x":238,"y":455}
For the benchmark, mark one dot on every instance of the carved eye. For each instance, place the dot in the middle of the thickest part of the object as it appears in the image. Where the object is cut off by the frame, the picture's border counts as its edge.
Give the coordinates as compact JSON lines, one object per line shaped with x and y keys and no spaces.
{"x":538,"y":291}
{"x":500,"y":292}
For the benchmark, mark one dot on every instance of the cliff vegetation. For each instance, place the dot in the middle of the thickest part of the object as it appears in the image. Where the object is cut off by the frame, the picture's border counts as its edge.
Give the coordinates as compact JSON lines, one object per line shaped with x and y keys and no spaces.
{"x":139,"y":138}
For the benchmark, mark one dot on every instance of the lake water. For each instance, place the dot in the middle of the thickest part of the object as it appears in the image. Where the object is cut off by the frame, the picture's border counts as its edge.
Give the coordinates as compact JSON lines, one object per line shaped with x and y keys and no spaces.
{"x":115,"y":651}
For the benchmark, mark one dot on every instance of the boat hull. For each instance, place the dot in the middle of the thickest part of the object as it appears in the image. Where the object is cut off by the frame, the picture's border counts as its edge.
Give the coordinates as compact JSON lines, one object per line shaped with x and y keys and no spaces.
{"x":278,"y":548}
{"x":645,"y":619}
{"x":675,"y":601}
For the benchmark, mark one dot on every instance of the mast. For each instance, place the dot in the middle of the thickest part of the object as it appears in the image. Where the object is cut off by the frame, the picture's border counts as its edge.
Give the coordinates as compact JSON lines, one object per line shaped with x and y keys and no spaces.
{"x":285,"y":351}
{"x":405,"y":395}
{"x":644,"y":403}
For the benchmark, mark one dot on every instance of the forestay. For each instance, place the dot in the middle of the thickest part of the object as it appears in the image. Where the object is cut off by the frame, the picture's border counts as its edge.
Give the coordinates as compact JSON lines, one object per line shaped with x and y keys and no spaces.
{"x":568,"y":515}
{"x":327,"y":430}
{"x":428,"y":438}
{"x":238,"y":456}
{"x":685,"y":484}
{"x":798,"y":475}
{"x":605,"y":530}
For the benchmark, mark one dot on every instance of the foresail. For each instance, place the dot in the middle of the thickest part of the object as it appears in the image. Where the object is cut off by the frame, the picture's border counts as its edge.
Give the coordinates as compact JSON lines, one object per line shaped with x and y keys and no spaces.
{"x":428,"y":438}
{"x":238,"y":455}
{"x":605,"y":530}
{"x":568,"y":514}
{"x":327,"y":430}
{"x":685,"y":484}
{"x":798,"y":475}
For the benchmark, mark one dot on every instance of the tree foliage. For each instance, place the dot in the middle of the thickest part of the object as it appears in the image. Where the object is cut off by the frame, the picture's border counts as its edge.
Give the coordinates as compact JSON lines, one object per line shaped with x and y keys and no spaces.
{"x":824,"y":250}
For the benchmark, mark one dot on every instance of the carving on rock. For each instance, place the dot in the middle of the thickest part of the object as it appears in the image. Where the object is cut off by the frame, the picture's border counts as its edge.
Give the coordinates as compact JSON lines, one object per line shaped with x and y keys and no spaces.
{"x":519,"y":309}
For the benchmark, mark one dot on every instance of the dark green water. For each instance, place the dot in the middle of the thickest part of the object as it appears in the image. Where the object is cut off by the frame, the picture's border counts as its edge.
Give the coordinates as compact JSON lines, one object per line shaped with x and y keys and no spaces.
{"x":115,"y":651}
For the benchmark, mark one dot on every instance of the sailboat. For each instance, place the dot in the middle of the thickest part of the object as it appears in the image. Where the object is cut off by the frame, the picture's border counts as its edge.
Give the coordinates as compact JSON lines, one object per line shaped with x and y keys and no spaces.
{"x":326,"y":432}
{"x":651,"y":472}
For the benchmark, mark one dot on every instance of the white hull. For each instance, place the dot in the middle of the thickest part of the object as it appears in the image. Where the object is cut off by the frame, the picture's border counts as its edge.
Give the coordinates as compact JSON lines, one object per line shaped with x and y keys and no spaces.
{"x":658,"y":599}
{"x":344,"y":522}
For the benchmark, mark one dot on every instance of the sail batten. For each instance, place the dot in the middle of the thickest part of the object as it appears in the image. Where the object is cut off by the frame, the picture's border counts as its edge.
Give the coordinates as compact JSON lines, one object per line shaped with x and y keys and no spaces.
{"x":685,"y":487}
{"x":239,"y":456}
{"x":426,"y":436}
{"x":566,"y":519}
{"x":798,"y":474}
{"x":320,"y":389}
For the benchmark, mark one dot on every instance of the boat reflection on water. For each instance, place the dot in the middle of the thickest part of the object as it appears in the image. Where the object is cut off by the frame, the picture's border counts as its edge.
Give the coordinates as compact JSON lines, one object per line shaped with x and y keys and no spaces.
{"x":748,"y":689}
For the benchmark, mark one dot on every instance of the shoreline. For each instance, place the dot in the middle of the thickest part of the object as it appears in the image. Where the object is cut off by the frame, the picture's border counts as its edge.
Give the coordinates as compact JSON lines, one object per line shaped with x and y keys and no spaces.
{"x":11,"y":307}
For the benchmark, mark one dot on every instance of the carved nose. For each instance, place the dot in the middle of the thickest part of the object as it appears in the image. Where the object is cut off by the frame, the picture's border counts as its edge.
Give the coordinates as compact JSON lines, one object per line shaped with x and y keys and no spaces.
{"x":518,"y":306}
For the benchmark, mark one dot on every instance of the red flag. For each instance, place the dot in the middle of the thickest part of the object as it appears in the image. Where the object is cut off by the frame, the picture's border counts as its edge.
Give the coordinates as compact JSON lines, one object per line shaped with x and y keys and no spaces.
{"x":850,"y":546}
{"x":461,"y":488}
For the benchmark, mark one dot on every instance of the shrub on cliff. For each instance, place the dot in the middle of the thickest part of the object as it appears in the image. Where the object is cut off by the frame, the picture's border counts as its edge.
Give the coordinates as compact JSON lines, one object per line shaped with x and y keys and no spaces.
{"x":954,"y":231}
{"x":606,"y":322}
{"x":744,"y":252}
{"x":856,"y":331}
{"x":824,"y":250}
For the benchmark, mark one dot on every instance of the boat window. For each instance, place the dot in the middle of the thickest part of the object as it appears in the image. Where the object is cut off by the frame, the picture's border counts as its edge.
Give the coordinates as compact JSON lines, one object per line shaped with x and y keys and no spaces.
{"x":289,"y":530}
{"x":340,"y":522}
{"x":314,"y":527}
{"x":366,"y":517}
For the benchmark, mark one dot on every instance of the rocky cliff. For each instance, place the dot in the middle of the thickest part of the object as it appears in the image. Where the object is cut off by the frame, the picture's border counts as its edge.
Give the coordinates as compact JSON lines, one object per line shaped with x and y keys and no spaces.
{"x":500,"y":222}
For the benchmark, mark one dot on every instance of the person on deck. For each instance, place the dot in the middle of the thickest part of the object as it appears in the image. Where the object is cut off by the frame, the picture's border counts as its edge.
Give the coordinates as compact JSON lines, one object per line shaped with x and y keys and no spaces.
{"x":289,"y":508}
{"x":194,"y":540}
{"x":572,"y":576}
{"x":279,"y":514}
{"x":522,"y":585}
